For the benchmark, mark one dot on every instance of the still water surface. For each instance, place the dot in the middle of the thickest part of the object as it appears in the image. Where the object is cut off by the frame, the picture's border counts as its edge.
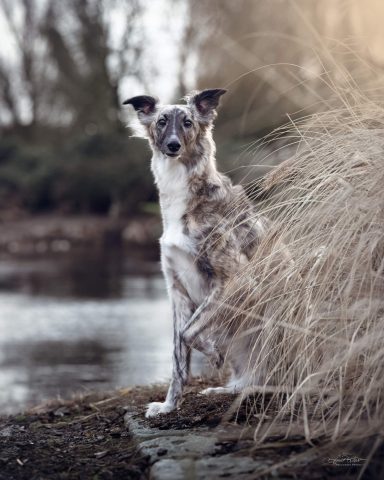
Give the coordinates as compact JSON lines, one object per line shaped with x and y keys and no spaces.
{"x":78,"y":323}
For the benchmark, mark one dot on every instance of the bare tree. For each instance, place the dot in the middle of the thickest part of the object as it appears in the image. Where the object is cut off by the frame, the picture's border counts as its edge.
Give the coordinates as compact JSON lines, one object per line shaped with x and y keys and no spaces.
{"x":67,"y":63}
{"x":21,"y":81}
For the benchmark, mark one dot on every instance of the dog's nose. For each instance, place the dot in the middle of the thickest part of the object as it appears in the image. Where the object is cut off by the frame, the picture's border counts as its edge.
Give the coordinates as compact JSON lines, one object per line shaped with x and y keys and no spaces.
{"x":174,"y":146}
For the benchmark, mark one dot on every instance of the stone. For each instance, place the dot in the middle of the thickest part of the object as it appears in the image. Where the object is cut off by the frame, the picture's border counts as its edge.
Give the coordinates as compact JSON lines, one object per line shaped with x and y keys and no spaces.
{"x":169,"y":469}
{"x":188,"y":445}
{"x":196,"y":453}
{"x":228,"y":466}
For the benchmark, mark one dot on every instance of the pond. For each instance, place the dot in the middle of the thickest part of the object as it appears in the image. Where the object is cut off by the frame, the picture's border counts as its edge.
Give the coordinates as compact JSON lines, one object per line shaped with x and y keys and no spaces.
{"x":90,"y":321}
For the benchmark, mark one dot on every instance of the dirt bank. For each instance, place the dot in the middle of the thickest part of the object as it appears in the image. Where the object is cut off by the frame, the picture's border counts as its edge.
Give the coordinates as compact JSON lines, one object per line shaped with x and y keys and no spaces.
{"x":87,"y":438}
{"x":80,"y":439}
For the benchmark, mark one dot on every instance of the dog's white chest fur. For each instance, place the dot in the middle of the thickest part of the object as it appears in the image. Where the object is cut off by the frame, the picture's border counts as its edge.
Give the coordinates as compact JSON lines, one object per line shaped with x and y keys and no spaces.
{"x":178,"y":254}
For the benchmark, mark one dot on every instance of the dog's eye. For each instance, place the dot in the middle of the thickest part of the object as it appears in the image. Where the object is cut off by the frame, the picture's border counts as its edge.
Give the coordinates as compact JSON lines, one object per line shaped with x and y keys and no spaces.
{"x":162,"y":122}
{"x":187,"y":123}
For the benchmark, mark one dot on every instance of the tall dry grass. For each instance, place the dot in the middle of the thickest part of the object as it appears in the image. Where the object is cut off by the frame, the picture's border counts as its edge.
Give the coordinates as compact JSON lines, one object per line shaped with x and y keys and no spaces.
{"x":316,"y":320}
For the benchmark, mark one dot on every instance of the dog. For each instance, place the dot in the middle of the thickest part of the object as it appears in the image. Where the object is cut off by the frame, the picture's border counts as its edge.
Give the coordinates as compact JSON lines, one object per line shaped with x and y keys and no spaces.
{"x":210,"y":231}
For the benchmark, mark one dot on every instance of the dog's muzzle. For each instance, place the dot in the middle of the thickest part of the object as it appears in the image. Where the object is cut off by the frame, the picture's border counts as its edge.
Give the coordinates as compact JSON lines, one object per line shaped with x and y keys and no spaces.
{"x":173,"y":148}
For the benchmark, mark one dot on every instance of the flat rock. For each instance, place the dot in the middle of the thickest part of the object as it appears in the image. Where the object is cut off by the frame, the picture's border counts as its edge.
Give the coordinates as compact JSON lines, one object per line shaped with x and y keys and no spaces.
{"x":180,"y":446}
{"x":169,"y":469}
{"x":194,"y":453}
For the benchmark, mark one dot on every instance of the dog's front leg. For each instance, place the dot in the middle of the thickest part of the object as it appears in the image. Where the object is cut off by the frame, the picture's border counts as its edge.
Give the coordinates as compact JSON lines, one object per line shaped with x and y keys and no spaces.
{"x":182,"y":311}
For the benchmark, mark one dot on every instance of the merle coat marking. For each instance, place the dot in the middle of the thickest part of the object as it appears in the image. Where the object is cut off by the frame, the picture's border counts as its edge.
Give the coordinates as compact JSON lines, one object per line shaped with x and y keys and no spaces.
{"x":210,"y":231}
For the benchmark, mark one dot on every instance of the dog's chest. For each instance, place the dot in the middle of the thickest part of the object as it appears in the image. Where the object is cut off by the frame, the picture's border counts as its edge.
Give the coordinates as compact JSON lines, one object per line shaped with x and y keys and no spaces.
{"x":178,"y":249}
{"x":179,"y":255}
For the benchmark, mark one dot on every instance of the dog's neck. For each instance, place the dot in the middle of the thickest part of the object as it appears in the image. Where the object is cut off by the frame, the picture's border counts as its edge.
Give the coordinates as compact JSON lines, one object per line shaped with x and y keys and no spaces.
{"x":177,"y":175}
{"x":178,"y":179}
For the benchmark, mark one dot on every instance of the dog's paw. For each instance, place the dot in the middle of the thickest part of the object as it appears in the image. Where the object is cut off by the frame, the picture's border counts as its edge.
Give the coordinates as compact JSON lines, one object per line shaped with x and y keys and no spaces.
{"x":218,"y":390}
{"x":215,"y":390}
{"x":158,"y":408}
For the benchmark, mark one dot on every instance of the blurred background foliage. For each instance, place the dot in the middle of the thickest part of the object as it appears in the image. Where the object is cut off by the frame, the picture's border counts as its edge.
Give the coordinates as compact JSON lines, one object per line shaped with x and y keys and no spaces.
{"x":66,"y":67}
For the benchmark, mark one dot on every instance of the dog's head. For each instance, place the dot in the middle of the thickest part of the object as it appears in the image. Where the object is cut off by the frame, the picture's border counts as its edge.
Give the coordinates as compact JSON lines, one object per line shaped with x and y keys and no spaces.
{"x":173,"y":129}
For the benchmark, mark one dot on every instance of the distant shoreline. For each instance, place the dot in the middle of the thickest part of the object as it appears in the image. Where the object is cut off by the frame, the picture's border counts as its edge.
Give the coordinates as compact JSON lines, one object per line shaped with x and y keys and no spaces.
{"x":55,"y":234}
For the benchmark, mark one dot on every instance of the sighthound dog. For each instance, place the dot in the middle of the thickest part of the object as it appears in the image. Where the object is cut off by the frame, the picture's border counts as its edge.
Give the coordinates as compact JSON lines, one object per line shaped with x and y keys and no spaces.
{"x":210,"y":231}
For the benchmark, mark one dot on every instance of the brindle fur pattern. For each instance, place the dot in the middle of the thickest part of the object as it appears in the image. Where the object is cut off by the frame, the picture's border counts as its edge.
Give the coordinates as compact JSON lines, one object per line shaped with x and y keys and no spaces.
{"x":210,"y":231}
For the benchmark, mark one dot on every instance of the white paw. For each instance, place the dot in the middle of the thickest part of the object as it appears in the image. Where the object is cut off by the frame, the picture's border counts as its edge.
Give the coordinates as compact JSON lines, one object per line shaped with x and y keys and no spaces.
{"x":216,"y":390}
{"x":158,"y":408}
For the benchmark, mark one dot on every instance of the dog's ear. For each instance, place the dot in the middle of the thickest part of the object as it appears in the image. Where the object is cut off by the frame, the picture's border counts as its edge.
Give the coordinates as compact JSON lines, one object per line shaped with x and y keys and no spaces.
{"x":142,"y":104}
{"x":206,"y":101}
{"x":145,"y":107}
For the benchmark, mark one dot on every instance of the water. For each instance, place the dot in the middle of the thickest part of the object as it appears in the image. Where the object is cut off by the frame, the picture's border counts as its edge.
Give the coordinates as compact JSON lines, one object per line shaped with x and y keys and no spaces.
{"x":79,"y":323}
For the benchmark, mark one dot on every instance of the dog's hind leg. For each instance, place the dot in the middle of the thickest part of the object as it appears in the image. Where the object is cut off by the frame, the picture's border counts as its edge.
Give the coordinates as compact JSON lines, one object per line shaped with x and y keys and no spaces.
{"x":194,"y":332}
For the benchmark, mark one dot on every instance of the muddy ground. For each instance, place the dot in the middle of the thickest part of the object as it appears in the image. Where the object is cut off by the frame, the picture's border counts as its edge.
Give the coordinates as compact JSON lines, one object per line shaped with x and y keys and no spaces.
{"x":80,"y":439}
{"x":86,"y":438}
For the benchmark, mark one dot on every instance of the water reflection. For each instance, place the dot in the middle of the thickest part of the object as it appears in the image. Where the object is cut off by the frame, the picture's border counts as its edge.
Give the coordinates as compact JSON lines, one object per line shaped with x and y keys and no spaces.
{"x":86,"y":322}
{"x":93,"y":274}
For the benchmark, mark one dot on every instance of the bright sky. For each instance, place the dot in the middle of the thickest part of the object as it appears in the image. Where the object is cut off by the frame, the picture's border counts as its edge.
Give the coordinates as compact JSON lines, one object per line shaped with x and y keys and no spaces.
{"x":163,"y":23}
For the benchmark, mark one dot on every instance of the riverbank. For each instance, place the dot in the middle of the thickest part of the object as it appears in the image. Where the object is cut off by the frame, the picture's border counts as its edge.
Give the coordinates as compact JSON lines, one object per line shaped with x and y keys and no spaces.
{"x":106,"y":436}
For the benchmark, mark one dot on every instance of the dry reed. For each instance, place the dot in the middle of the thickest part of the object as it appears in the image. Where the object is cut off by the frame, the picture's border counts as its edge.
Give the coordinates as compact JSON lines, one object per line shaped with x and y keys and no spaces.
{"x":311,"y":302}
